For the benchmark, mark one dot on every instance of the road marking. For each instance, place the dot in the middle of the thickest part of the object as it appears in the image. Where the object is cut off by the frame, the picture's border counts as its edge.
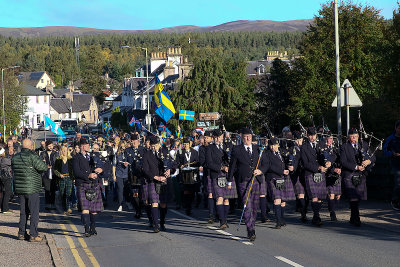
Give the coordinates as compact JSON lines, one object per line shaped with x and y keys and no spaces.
{"x":84,"y":245}
{"x":71,"y":244}
{"x":288,"y":261}
{"x":214,"y":228}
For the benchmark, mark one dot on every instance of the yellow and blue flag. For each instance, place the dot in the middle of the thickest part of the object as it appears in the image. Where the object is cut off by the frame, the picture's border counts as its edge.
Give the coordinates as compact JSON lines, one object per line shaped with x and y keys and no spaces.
{"x":106,"y":126}
{"x":186,"y":115}
{"x":165,"y":108}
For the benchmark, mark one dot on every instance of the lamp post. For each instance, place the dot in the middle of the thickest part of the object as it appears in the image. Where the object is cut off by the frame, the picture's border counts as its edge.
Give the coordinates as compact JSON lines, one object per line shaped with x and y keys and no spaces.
{"x":2,"y":87}
{"x":148,"y":116}
{"x":338,"y":92}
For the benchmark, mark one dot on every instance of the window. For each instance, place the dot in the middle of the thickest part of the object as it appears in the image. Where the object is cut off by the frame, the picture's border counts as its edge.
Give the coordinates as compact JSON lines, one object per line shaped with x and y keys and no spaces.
{"x":45,"y":99}
{"x":41,"y":80}
{"x":90,"y":114}
{"x":38,"y":120}
{"x":37,"y":99}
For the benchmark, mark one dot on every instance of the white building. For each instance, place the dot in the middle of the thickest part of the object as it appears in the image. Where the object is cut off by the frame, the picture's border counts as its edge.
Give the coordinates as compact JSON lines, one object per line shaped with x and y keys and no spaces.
{"x":38,"y":106}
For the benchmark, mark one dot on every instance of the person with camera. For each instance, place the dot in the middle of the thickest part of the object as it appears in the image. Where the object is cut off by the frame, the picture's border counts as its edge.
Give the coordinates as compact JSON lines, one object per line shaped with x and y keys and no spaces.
{"x":391,"y":149}
{"x":88,"y":188}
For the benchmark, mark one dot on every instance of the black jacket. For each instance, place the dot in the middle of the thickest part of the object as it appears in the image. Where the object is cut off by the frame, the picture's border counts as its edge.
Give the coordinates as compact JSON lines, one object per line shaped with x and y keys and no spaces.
{"x":82,"y":168}
{"x":58,"y":166}
{"x":350,"y":158}
{"x":152,"y":166}
{"x":276,"y":165}
{"x":215,"y":159}
{"x":194,"y":158}
{"x":309,"y":157}
{"x":242,"y":165}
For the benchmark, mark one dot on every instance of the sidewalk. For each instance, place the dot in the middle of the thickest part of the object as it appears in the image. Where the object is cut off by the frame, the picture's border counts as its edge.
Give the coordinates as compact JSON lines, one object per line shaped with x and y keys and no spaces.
{"x":15,"y":252}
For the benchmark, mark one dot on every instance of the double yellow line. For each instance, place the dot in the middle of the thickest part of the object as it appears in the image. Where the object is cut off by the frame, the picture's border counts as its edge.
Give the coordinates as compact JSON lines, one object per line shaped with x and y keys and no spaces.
{"x":73,"y":248}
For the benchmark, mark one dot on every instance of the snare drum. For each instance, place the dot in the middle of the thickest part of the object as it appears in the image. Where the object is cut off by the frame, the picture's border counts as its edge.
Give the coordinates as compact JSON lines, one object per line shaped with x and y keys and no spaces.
{"x":190,"y":175}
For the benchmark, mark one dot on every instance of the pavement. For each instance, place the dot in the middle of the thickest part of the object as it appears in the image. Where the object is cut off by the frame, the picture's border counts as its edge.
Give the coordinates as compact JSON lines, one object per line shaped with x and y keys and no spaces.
{"x":189,"y":240}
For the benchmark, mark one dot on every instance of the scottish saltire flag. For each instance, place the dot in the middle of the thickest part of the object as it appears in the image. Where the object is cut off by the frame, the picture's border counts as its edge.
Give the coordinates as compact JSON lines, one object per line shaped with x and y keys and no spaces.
{"x":53,"y":126}
{"x":165,"y":108}
{"x":186,"y":115}
{"x":106,"y":126}
{"x":162,"y":128}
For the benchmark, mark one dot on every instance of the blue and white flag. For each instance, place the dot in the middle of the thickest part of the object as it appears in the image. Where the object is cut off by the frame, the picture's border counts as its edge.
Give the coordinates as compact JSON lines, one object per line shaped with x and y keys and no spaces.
{"x":53,"y":126}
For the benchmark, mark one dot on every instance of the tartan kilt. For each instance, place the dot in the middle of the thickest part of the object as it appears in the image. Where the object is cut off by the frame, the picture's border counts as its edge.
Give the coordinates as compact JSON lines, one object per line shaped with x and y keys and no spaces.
{"x":245,"y":186}
{"x":224,"y":192}
{"x":298,"y":184}
{"x":285,"y":194}
{"x":150,"y":195}
{"x":210,"y":188}
{"x":95,"y":205}
{"x":334,"y":189}
{"x":263,"y":184}
{"x":359,"y":192}
{"x":316,"y":190}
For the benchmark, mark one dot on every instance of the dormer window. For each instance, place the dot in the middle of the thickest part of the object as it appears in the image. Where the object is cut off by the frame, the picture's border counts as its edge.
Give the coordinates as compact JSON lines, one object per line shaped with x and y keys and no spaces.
{"x":261,"y":69}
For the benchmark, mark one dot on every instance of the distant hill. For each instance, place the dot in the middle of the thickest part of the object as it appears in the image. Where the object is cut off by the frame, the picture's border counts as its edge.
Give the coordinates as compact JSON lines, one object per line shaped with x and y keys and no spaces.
{"x":234,"y":26}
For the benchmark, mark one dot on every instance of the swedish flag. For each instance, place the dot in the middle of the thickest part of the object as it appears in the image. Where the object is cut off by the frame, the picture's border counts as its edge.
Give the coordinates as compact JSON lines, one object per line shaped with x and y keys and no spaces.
{"x":165,"y":108}
{"x":186,"y":115}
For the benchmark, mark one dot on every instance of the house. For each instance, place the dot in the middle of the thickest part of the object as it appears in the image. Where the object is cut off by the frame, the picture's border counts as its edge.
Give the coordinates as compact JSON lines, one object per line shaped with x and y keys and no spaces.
{"x":36,"y":91}
{"x":38,"y":80}
{"x":71,"y":104}
{"x":38,"y":106}
{"x":258,"y":67}
{"x":169,"y":67}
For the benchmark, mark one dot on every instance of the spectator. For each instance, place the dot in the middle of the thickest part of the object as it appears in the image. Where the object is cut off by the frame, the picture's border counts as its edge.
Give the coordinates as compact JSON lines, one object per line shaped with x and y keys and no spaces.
{"x":392,"y":150}
{"x":49,"y":181}
{"x":5,"y":180}
{"x":63,"y":170}
{"x":27,"y":167}
{"x":42,"y":148}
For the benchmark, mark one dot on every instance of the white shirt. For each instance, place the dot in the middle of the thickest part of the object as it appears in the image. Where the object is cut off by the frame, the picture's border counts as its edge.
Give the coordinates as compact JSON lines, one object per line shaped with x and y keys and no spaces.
{"x":251,"y":148}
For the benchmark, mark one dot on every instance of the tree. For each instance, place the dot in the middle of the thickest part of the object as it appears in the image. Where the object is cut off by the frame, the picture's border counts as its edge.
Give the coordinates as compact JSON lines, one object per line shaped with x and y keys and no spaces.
{"x":362,"y":46}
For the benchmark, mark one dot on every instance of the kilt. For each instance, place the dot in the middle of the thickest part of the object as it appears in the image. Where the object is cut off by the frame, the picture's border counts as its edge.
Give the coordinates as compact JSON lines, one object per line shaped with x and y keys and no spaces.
{"x":298,"y":184}
{"x":316,"y":190}
{"x":224,"y":192}
{"x":333,"y":189}
{"x":359,"y":192}
{"x":210,"y":188}
{"x":150,"y":195}
{"x":95,"y":205}
{"x":263,"y":184}
{"x":250,"y":212}
{"x":285,"y":194}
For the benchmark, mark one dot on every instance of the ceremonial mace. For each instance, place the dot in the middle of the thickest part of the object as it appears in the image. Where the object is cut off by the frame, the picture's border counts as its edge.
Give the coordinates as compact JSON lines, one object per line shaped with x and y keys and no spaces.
{"x":251,"y":186}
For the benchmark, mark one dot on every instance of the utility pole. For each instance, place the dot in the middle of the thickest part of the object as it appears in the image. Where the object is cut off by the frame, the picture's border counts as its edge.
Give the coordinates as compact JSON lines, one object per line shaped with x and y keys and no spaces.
{"x":338,"y":93}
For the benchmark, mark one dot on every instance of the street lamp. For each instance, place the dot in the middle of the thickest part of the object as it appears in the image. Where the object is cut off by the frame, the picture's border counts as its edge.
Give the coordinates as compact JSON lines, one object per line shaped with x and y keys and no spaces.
{"x":2,"y":87}
{"x":148,"y":116}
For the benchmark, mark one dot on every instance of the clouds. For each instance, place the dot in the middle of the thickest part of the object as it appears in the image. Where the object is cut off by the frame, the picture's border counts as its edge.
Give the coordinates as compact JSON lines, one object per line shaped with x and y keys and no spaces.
{"x":156,"y":14}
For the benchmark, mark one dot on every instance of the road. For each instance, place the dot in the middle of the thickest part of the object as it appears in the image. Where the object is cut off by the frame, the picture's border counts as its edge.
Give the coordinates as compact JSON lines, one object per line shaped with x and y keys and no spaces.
{"x":190,"y":241}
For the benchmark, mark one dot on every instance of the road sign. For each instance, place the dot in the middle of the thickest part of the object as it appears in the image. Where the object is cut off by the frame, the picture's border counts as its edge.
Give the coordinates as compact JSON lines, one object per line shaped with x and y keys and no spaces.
{"x":211,"y":116}
{"x":350,"y":96}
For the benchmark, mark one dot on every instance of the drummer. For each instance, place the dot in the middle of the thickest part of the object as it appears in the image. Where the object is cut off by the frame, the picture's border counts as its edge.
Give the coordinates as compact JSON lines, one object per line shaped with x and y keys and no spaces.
{"x":188,"y":160}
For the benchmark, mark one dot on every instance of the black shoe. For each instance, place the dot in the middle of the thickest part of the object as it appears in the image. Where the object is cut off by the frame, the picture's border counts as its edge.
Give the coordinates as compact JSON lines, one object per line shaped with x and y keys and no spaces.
{"x":317,"y":221}
{"x":156,"y":229}
{"x":93,"y":231}
{"x":178,"y":207}
{"x":162,"y":227}
{"x":395,"y":205}
{"x":303,"y":218}
{"x":211,"y":219}
{"x":356,"y":222}
{"x":253,"y":237}
{"x":188,"y":212}
{"x":283,"y":222}
{"x":333,"y":216}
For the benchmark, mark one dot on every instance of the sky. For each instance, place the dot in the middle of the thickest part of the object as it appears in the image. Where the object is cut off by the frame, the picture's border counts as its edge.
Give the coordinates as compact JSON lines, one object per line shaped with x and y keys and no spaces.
{"x":156,"y":14}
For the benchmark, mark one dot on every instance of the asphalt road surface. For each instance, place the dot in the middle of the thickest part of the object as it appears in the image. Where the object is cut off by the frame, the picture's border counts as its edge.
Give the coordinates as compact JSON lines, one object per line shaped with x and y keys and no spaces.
{"x":190,"y":241}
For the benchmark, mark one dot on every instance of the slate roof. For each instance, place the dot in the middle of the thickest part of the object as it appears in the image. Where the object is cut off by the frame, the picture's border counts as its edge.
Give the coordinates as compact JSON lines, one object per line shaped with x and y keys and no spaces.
{"x":60,"y":92}
{"x":31,"y":90}
{"x":252,"y":66}
{"x":80,"y":103}
{"x":31,"y":78}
